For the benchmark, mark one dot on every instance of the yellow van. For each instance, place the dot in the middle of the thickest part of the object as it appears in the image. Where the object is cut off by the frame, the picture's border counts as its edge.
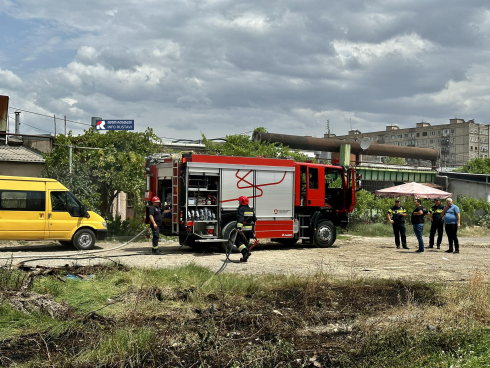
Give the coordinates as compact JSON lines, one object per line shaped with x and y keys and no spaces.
{"x":43,"y":209}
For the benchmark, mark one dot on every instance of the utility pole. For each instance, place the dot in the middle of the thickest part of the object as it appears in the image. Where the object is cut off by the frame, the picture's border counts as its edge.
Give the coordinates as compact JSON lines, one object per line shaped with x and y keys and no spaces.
{"x":17,"y":122}
{"x":65,"y":131}
{"x":54,"y":124}
{"x":328,"y":128}
{"x":70,"y":154}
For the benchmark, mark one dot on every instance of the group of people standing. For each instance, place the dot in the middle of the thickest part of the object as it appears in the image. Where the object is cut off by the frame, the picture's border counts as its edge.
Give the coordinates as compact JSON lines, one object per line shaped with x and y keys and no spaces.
{"x":441,"y":217}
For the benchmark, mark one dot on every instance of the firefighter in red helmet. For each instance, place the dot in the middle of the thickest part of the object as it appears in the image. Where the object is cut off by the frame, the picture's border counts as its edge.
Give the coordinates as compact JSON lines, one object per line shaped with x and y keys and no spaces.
{"x":155,"y":223}
{"x":245,"y":227}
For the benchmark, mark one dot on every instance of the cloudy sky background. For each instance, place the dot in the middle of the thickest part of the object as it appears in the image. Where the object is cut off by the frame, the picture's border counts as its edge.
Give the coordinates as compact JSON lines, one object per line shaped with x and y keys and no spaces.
{"x":226,"y":66}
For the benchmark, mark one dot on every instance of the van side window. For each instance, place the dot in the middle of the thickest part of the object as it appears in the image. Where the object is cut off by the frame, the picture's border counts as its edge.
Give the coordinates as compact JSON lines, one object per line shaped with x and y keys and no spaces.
{"x":63,"y":201}
{"x":15,"y":200}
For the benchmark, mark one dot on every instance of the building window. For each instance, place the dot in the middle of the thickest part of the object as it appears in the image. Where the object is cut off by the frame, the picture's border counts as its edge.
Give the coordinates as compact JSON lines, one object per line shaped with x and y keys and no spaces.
{"x":418,"y":134}
{"x":446,"y":131}
{"x":406,"y":136}
{"x":439,"y":132}
{"x":431,"y":141}
{"x":452,"y":140}
{"x":452,"y":131}
{"x":424,"y":134}
{"x":392,"y":137}
{"x":400,"y":136}
{"x":471,"y":148}
{"x":439,"y":141}
{"x":433,"y":133}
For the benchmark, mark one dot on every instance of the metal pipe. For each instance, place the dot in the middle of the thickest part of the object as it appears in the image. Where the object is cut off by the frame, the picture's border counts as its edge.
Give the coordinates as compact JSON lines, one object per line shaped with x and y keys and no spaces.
{"x":47,"y":136}
{"x":70,"y":153}
{"x":17,"y":122}
{"x":333,"y":145}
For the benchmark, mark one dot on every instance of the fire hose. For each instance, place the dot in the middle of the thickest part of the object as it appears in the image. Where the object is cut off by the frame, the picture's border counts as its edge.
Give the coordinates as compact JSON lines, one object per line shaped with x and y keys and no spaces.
{"x":81,"y":253}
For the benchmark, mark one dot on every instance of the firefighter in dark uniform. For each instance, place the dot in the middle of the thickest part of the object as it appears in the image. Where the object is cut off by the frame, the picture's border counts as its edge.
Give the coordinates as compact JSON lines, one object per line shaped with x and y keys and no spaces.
{"x":435,"y":215}
{"x":155,"y":223}
{"x":245,"y":227}
{"x":396,"y":216}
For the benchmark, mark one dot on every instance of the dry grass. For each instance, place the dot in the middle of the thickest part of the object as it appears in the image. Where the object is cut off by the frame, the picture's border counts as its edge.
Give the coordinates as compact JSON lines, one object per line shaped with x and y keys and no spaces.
{"x":189,"y":317}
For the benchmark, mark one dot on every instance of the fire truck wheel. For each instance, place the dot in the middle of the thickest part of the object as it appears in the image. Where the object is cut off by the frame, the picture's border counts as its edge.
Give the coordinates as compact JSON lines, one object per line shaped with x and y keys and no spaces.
{"x":286,"y":241}
{"x":229,"y":231}
{"x":325,"y":234}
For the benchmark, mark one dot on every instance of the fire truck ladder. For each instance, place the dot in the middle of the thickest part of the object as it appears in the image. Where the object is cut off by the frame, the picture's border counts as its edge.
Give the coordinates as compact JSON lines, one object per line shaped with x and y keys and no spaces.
{"x":304,"y":221}
{"x":175,"y":196}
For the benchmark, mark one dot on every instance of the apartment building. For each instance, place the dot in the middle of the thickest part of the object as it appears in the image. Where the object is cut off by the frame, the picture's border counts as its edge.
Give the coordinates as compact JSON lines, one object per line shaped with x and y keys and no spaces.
{"x":458,"y":141}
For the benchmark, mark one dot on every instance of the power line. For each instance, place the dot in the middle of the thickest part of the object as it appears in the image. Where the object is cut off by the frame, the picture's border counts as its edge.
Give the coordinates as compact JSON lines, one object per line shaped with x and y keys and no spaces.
{"x":42,"y":130}
{"x":49,"y":116}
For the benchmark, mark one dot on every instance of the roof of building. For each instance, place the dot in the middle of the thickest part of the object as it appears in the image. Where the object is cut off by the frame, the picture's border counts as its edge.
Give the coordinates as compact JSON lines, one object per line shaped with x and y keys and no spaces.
{"x":20,"y":154}
{"x":482,"y":178}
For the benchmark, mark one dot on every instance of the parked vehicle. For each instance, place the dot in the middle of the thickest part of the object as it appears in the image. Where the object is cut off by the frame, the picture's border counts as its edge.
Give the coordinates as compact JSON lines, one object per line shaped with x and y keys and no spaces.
{"x":43,"y":209}
{"x":292,"y":200}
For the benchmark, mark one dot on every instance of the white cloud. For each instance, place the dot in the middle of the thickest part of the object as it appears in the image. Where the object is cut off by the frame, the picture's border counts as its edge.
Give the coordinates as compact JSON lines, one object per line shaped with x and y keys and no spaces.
{"x":223,"y":66}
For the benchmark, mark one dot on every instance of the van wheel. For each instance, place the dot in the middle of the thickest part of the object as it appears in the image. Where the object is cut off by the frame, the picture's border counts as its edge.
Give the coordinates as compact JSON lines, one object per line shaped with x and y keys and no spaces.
{"x":66,"y":243}
{"x":84,"y":239}
{"x":325,"y":234}
{"x":229,"y":233}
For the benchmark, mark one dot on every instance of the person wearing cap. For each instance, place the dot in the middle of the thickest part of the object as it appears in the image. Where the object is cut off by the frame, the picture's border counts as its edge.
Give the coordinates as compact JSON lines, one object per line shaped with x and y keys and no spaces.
{"x":452,"y":221}
{"x":396,"y":216}
{"x":155,"y":223}
{"x":437,"y":223}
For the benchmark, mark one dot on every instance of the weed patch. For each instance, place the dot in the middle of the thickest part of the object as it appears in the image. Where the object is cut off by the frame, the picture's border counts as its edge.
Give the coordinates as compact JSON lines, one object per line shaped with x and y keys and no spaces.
{"x":187,"y":316}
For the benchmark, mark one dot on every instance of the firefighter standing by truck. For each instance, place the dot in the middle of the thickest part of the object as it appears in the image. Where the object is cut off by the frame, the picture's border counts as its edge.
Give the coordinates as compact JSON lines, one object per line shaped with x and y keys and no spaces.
{"x":245,"y":227}
{"x":396,"y":216}
{"x":437,"y":223}
{"x":155,"y":223}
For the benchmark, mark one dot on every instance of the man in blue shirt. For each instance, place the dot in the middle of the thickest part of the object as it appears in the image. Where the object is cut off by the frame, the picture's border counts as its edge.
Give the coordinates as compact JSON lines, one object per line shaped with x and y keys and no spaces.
{"x":452,"y":222}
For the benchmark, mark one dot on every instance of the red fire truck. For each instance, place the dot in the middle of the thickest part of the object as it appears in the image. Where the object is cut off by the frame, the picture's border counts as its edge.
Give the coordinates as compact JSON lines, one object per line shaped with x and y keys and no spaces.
{"x":291,"y":200}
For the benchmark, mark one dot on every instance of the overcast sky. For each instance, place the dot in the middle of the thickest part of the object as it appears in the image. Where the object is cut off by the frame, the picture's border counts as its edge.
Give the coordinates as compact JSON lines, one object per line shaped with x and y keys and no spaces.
{"x":226,"y":66}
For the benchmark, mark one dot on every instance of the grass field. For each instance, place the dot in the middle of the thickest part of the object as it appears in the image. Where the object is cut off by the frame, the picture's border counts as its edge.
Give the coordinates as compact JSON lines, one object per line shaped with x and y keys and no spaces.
{"x":189,"y":317}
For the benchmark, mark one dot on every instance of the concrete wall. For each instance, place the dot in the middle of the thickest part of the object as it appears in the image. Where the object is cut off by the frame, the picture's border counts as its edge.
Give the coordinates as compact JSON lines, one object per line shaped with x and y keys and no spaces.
{"x":469,"y":189}
{"x":41,"y":145}
{"x":21,"y":169}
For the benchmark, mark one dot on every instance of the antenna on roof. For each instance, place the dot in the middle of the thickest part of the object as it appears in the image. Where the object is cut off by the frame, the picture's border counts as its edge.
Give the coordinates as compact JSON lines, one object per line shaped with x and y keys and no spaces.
{"x":328,"y":128}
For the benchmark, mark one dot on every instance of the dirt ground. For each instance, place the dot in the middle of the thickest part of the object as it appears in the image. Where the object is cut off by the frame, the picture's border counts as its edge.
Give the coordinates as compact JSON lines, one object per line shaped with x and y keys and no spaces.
{"x":352,"y":258}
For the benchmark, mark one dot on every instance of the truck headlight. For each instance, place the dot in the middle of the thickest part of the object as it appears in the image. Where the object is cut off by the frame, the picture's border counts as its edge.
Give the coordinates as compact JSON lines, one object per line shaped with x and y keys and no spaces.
{"x":104,"y":224}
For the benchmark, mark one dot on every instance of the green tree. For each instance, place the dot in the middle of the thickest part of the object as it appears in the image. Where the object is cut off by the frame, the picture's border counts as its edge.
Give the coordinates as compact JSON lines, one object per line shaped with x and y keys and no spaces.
{"x":115,"y":164}
{"x":477,"y":166}
{"x":394,"y":160}
{"x":243,"y":145}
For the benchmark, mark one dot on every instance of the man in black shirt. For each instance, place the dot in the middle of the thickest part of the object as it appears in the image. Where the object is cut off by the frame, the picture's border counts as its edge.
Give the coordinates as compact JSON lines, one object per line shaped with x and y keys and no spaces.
{"x":435,"y":216}
{"x":155,"y":223}
{"x":418,"y":223}
{"x":396,"y":216}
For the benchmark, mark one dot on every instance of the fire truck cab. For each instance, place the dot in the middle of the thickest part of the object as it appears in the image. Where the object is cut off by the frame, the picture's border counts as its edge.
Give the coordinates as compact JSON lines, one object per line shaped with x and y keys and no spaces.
{"x":291,"y":200}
